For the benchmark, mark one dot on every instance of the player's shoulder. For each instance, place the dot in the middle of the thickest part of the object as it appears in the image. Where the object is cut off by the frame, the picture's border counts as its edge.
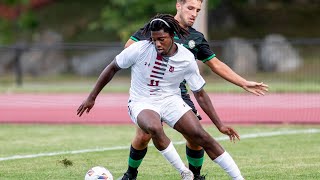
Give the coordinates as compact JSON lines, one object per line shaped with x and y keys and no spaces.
{"x":194,"y":33}
{"x":183,"y":49}
{"x":141,"y":44}
{"x":140,"y":47}
{"x":185,"y":53}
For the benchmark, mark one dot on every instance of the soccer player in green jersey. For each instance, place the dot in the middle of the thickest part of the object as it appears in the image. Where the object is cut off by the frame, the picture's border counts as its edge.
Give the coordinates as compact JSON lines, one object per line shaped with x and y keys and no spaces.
{"x":187,"y":12}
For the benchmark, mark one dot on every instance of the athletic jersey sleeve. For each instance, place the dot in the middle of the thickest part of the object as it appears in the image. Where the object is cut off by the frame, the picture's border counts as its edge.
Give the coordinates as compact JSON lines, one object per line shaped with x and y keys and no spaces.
{"x":138,"y":35}
{"x":193,"y":77}
{"x":128,"y":56}
{"x":205,"y":53}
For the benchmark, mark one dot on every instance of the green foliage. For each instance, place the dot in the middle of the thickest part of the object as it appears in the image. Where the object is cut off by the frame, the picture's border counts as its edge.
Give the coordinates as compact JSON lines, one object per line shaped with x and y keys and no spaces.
{"x":212,"y":4}
{"x":26,"y":22}
{"x":5,"y":33}
{"x":15,"y":2}
{"x":125,"y":16}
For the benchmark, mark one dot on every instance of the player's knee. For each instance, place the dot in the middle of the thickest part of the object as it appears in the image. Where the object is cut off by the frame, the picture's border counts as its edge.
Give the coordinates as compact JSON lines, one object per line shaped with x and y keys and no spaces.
{"x":201,"y":138}
{"x":143,"y":137}
{"x":193,"y":145}
{"x":155,"y":130}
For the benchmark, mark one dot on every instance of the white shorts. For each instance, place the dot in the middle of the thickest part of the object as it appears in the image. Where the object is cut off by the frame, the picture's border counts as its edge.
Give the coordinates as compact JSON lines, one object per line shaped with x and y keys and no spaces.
{"x":170,"y":109}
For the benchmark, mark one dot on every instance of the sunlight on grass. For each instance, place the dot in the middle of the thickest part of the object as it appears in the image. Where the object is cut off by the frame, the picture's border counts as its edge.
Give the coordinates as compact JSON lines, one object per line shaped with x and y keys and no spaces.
{"x":265,"y":157}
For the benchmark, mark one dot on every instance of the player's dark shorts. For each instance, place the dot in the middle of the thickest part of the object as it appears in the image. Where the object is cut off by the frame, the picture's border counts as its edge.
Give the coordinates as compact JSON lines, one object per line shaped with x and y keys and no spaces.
{"x":187,"y":99}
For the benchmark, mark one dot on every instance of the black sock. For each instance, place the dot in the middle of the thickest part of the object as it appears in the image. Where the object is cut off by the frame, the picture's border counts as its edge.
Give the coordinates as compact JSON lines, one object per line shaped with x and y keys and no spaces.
{"x":135,"y":159}
{"x":195,"y":160}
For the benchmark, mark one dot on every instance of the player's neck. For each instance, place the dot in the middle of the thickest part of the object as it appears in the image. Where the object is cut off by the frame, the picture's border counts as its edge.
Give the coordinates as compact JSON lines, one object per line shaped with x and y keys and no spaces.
{"x":176,"y":17}
{"x":173,"y":49}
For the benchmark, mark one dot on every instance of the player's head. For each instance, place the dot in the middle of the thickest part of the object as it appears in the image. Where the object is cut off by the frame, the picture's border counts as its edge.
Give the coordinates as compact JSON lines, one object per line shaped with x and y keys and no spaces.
{"x":163,"y":28}
{"x":187,"y":11}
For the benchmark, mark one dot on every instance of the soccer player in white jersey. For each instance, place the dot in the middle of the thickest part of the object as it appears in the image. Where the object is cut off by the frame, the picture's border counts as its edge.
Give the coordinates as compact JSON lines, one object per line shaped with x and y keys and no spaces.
{"x":187,"y":12}
{"x":158,"y":66}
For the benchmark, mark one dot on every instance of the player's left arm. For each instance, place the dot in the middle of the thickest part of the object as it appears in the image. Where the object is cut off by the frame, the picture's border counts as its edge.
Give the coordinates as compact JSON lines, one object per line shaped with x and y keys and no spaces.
{"x":196,"y":84}
{"x":228,"y":74}
{"x":206,"y":105}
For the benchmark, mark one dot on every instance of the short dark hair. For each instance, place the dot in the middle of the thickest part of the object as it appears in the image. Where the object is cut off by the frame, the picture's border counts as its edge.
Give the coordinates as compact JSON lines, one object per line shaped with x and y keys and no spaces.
{"x":167,"y":23}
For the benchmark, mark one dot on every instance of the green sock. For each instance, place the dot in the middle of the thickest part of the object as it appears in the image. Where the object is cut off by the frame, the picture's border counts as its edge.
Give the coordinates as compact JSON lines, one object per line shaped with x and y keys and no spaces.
{"x":195,"y":160}
{"x":135,"y":159}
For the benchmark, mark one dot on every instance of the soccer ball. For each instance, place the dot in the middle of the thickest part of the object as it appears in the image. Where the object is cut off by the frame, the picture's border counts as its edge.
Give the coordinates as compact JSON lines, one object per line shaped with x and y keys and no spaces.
{"x":97,"y":173}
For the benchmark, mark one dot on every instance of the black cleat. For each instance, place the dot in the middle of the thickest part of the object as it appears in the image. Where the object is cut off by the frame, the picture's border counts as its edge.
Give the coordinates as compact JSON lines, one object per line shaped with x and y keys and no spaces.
{"x":199,"y":177}
{"x":129,"y":176}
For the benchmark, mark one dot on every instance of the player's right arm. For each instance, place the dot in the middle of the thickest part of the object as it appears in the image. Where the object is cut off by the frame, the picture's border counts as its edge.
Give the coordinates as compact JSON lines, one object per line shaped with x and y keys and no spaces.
{"x":104,"y":78}
{"x":135,"y":37}
{"x":129,"y":42}
{"x":205,"y":54}
{"x":123,"y":60}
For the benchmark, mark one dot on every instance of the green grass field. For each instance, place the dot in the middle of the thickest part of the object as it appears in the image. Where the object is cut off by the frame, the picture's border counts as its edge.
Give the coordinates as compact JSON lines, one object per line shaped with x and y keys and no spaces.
{"x":68,"y":151}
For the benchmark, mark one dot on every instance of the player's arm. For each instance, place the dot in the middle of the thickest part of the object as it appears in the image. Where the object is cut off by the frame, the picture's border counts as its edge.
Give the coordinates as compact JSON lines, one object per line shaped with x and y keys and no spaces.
{"x":123,"y":60}
{"x":206,"y":105}
{"x":228,"y":74}
{"x":129,"y":42}
{"x":209,"y":58}
{"x":104,"y":78}
{"x":196,"y":83}
{"x":135,"y":37}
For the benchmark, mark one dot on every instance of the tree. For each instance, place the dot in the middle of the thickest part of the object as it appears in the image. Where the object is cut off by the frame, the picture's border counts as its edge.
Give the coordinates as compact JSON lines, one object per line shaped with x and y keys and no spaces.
{"x":125,"y":16}
{"x":18,"y":23}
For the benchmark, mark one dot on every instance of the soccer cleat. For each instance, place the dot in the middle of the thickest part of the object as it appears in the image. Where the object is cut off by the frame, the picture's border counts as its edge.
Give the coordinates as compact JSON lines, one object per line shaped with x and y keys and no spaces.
{"x":187,"y":175}
{"x":199,"y":177}
{"x":129,"y":176}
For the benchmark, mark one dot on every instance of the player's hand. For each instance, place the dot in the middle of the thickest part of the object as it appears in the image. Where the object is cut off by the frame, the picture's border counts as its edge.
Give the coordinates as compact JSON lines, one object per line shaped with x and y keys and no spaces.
{"x":85,"y":106}
{"x":233,"y":135}
{"x":256,"y":88}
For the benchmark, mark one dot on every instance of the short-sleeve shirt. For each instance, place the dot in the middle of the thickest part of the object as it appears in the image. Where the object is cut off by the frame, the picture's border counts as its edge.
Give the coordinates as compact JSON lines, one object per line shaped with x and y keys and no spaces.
{"x":156,"y":77}
{"x":195,"y":42}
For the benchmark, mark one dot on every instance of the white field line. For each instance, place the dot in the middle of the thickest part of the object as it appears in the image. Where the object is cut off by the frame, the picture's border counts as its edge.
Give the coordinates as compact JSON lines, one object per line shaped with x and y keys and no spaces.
{"x":245,"y":136}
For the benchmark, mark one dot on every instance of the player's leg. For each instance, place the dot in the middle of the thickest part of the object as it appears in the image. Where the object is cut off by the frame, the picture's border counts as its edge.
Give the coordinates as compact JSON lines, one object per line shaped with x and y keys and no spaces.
{"x":191,"y":128}
{"x":138,"y":150}
{"x":195,"y":157}
{"x":194,"y":152}
{"x":146,"y":116}
{"x":150,"y":122}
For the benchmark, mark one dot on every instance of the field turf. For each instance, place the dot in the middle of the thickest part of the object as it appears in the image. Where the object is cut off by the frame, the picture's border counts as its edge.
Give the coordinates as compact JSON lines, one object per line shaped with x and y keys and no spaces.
{"x":68,"y":151}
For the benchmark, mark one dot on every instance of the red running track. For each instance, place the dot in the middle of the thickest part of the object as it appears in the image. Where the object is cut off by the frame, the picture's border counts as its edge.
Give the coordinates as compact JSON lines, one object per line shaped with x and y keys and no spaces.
{"x":112,"y":108}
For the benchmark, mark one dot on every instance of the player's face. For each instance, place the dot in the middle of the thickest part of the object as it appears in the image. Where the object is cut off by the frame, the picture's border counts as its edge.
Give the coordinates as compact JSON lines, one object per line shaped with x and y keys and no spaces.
{"x":188,"y":12}
{"x":162,"y":41}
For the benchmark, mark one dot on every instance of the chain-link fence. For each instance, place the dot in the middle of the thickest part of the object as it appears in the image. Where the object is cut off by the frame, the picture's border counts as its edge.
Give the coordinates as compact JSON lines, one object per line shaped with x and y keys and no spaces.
{"x":274,"y":60}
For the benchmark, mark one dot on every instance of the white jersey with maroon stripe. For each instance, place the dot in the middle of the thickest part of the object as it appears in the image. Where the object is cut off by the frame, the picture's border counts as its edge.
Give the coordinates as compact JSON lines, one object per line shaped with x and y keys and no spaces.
{"x":156,"y":77}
